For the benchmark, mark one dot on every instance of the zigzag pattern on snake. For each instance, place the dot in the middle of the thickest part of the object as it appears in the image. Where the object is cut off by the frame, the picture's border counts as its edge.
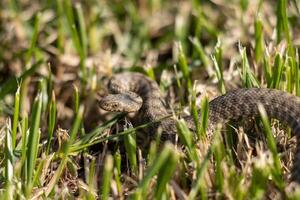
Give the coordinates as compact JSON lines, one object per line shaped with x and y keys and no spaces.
{"x":139,"y":93}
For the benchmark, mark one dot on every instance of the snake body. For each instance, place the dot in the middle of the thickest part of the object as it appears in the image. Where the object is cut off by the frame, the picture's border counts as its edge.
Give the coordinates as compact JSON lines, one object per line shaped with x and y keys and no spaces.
{"x":146,"y":98}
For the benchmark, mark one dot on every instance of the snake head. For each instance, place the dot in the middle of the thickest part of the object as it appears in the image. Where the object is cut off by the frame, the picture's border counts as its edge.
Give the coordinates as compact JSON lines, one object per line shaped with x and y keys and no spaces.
{"x":128,"y":102}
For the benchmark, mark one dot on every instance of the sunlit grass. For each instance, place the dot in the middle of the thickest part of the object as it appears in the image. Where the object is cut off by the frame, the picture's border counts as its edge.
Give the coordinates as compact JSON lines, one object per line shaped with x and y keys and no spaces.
{"x":57,"y":144}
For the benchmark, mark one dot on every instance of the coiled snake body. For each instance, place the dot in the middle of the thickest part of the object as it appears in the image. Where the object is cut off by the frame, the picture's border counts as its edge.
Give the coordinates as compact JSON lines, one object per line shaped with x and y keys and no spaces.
{"x":135,"y":92}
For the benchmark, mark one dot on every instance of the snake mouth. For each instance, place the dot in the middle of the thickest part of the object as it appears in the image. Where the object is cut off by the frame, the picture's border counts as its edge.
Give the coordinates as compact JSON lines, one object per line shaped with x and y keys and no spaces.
{"x":121,"y":103}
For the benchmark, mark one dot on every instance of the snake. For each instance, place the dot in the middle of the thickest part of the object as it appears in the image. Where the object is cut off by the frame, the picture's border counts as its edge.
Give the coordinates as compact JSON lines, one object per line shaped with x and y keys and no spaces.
{"x":135,"y":92}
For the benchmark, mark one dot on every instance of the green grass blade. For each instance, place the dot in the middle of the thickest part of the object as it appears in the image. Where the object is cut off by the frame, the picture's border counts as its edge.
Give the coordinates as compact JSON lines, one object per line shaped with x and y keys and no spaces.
{"x":51,"y":121}
{"x":186,"y":137}
{"x":259,"y":182}
{"x":34,"y":135}
{"x":201,"y":53}
{"x":24,"y":128}
{"x":60,"y":36}
{"x":277,"y":71}
{"x":292,"y":70}
{"x":91,"y":180}
{"x":157,"y":165}
{"x":82,"y":30}
{"x":244,"y":5}
{"x":33,"y":140}
{"x":267,"y":70}
{"x":117,"y":171}
{"x":9,"y":169}
{"x":282,"y":22}
{"x":276,"y":172}
{"x":290,"y":82}
{"x":219,"y":74}
{"x":204,"y":117}
{"x":165,"y":174}
{"x":194,"y":111}
{"x":34,"y":37}
{"x":184,"y":68}
{"x":296,"y":73}
{"x":90,"y":138}
{"x":218,"y":54}
{"x":74,"y":130}
{"x":107,"y":176}
{"x":75,"y":37}
{"x":219,"y":156}
{"x":76,"y":99}
{"x":259,"y":39}
{"x":130,"y":147}
{"x":248,"y":78}
{"x":15,"y":118}
{"x":218,"y":66}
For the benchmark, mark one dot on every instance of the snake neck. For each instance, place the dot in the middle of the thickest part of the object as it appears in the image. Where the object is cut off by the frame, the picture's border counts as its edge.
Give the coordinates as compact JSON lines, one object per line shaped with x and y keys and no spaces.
{"x":154,"y":106}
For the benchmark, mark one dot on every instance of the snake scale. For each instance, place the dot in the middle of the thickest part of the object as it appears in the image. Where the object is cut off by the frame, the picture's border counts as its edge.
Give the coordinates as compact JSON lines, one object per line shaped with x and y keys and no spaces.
{"x":135,"y":92}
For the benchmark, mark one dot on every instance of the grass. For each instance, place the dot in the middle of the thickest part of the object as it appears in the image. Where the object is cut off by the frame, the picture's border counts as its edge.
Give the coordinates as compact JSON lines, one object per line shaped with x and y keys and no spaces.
{"x":55,"y":61}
